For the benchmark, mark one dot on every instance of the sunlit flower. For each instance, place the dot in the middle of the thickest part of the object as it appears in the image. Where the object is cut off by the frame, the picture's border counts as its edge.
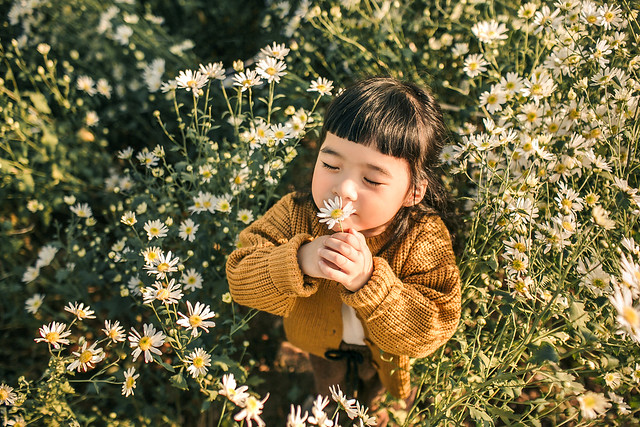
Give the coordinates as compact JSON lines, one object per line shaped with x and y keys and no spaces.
{"x":80,"y":311}
{"x":198,"y":362}
{"x":155,"y":228}
{"x":191,"y":279}
{"x":196,"y":318}
{"x":601,"y":218}
{"x":151,"y":254}
{"x":7,"y":395}
{"x":245,"y":216}
{"x":271,"y":69}
{"x":129,"y":383}
{"x":628,"y":315}
{"x":593,"y":405}
{"x":46,"y":255}
{"x":82,"y":210}
{"x":54,"y":333}
{"x":188,"y":230}
{"x":296,"y":418}
{"x":128,"y":218}
{"x":322,"y":86}
{"x":191,"y":81}
{"x":318,"y":416}
{"x":235,"y":394}
{"x":86,"y":84}
{"x":146,"y":343}
{"x":147,"y":158}
{"x":613,"y":379}
{"x":213,"y":71}
{"x":278,"y":51}
{"x":30,"y":274}
{"x":488,"y":32}
{"x":492,"y":100}
{"x":350,"y":406}
{"x":251,"y":411}
{"x":334,"y":213}
{"x":86,"y":358}
{"x":114,"y":331}
{"x":165,"y":292}
{"x":33,"y":303}
{"x":125,"y":153}
{"x":104,"y":88}
{"x":474,"y":65}
{"x":163,"y":265}
{"x":365,"y":419}
{"x":246,"y":79}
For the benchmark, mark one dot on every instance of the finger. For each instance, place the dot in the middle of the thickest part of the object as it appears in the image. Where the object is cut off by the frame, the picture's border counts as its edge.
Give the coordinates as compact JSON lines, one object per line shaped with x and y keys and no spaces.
{"x":331,"y":273}
{"x":348,"y":238}
{"x":334,"y":257}
{"x":342,"y":248}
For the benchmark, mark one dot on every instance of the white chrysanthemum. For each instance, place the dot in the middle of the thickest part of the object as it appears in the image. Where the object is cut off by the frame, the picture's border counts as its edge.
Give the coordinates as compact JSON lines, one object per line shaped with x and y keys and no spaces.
{"x":30,"y":274}
{"x":601,"y":218}
{"x":167,"y":292}
{"x":191,"y":279}
{"x":114,"y":331}
{"x":493,"y":99}
{"x":86,"y":358}
{"x":7,"y":395}
{"x":191,"y":81}
{"x":365,"y":418}
{"x":198,"y":361}
{"x":245,"y":216}
{"x":196,"y":318}
{"x":147,"y":158}
{"x":163,"y":265}
{"x":54,"y":333}
{"x":318,"y":416}
{"x":474,"y":65}
{"x":213,"y":71}
{"x":296,"y":418}
{"x":489,"y":31}
{"x":252,"y":410}
{"x":246,"y":79}
{"x":322,"y":86}
{"x":334,"y":213}
{"x":151,"y":254}
{"x":82,"y":210}
{"x":278,"y":51}
{"x":348,"y":405}
{"x":86,"y":84}
{"x":46,"y":255}
{"x":155,"y":228}
{"x":80,"y":311}
{"x":229,"y":388}
{"x":125,"y":154}
{"x":147,"y":342}
{"x":104,"y":88}
{"x":612,"y":379}
{"x":129,"y":383}
{"x":33,"y":303}
{"x":593,"y":405}
{"x":271,"y":69}
{"x":188,"y":230}
{"x":628,"y":315}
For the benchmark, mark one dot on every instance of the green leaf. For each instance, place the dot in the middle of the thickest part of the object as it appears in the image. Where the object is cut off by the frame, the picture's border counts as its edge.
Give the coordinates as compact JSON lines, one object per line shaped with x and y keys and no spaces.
{"x":179,"y":382}
{"x":480,"y":415}
{"x":164,"y":365}
{"x":545,"y":352}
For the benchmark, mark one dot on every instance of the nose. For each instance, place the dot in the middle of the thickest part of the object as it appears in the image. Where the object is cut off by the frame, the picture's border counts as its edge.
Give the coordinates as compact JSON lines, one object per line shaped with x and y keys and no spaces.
{"x":347,"y":189}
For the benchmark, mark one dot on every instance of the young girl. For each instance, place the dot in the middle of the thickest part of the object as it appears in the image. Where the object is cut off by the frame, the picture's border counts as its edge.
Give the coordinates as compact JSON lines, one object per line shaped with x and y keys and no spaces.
{"x":382,"y":286}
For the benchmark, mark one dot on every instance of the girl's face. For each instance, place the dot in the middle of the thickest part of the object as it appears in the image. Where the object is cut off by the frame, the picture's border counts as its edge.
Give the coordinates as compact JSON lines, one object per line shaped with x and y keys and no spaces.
{"x":376,"y":184}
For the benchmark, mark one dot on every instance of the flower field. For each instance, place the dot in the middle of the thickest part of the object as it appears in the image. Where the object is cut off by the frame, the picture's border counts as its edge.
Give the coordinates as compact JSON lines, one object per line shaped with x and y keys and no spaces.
{"x":137,"y":139}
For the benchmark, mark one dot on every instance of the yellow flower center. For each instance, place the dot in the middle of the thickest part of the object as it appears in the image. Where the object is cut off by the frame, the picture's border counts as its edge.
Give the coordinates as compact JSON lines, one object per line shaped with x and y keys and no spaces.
{"x":191,"y":280}
{"x":162,"y":294}
{"x":321,"y":88}
{"x":195,"y":320}
{"x":630,"y":315}
{"x":131,"y":382}
{"x":52,"y":336}
{"x":336,"y":213}
{"x":520,"y":247}
{"x":81,"y":314}
{"x":85,"y":356}
{"x":145,"y":343}
{"x":591,"y":19}
{"x":162,"y":267}
{"x":198,"y":362}
{"x":492,"y":99}
{"x":154,"y":230}
{"x":271,"y":71}
{"x":191,"y":83}
{"x":4,"y":394}
{"x":279,"y":134}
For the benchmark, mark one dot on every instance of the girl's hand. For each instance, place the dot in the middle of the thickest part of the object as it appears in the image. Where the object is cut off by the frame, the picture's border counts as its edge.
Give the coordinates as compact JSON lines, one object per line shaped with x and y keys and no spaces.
{"x":342,"y":257}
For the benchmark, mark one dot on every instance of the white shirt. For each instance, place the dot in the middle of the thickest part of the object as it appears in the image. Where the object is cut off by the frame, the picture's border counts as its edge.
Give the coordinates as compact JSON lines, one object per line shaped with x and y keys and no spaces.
{"x":352,"y":330}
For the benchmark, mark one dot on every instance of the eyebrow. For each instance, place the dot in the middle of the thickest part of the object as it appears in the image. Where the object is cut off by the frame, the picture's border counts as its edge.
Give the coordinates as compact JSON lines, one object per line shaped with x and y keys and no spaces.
{"x":331,"y":152}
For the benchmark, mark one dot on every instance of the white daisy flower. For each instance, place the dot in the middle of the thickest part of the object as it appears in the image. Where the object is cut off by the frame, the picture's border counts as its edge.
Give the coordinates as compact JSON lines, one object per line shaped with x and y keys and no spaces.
{"x":30,"y":274}
{"x":196,"y":318}
{"x":245,"y":216}
{"x":474,"y":65}
{"x":198,"y":361}
{"x":191,"y":279}
{"x":167,"y":293}
{"x":278,"y":51}
{"x":188,"y":230}
{"x":46,"y":255}
{"x":322,"y":86}
{"x":229,"y":388}
{"x":252,"y":410}
{"x":114,"y":331}
{"x":246,"y":79}
{"x":162,"y":266}
{"x":54,"y":333}
{"x":146,"y":343}
{"x":128,"y":218}
{"x":82,"y":210}
{"x":296,"y":418}
{"x":593,"y":405}
{"x":80,"y":311}
{"x":271,"y":69}
{"x":86,"y":358}
{"x":129,"y":383}
{"x":86,"y":84}
{"x":33,"y":304}
{"x":213,"y":71}
{"x":155,"y":228}
{"x":334,"y":213}
{"x":7,"y":395}
{"x":191,"y":81}
{"x":349,"y":405}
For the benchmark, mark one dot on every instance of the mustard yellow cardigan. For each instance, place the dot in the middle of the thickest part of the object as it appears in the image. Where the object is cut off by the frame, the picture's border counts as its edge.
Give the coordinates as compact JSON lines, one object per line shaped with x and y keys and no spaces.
{"x":409,"y":307}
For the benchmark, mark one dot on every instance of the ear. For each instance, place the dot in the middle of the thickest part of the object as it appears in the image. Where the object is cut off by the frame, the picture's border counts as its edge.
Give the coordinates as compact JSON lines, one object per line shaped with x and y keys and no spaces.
{"x":415,"y":194}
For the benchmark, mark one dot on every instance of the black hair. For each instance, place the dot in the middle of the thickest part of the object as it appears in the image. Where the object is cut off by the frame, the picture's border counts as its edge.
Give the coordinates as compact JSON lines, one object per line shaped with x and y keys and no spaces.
{"x":400,"y":119}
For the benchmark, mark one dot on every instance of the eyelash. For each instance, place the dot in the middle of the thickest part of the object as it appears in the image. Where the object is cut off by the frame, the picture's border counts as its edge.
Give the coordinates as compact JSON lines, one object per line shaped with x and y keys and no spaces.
{"x":333,"y":168}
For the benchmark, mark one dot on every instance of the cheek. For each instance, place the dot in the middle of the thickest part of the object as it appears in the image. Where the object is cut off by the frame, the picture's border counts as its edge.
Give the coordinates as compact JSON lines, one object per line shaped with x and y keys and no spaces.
{"x":319,"y":183}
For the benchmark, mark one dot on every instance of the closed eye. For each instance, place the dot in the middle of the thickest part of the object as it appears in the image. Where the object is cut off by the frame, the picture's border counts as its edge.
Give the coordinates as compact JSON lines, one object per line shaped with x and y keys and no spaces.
{"x":373,"y":183}
{"x":328,"y":166}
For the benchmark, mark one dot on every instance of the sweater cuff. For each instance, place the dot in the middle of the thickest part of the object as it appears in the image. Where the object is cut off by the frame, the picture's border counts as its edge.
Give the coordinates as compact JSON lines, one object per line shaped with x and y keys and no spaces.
{"x":379,"y":287}
{"x":284,"y":269}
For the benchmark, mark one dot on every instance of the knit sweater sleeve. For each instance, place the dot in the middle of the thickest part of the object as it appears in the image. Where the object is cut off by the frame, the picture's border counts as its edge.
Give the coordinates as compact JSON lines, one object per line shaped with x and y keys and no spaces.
{"x":415,"y":311}
{"x":263,"y":272}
